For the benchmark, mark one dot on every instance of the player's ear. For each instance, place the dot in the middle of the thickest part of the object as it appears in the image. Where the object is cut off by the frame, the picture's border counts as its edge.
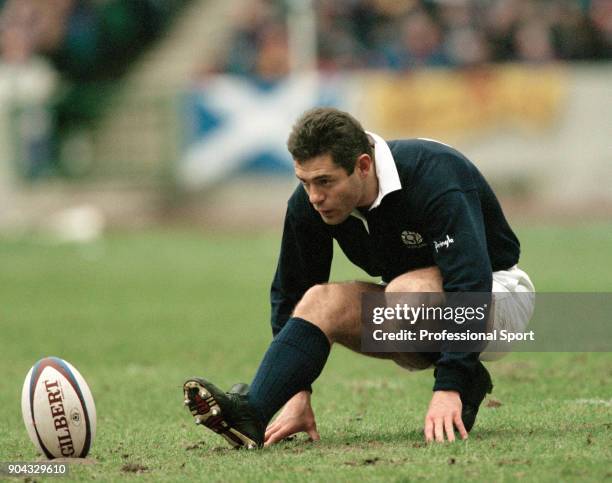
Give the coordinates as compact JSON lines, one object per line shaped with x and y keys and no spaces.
{"x":364,"y":164}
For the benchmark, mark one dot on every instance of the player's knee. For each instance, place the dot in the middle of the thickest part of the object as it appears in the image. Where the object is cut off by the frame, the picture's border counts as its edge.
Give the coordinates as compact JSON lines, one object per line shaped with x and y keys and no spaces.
{"x":312,"y":302}
{"x":323,"y":305}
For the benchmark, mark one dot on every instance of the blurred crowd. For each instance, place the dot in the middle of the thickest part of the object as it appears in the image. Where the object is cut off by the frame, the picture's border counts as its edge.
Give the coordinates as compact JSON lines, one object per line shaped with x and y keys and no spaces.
{"x":408,"y":34}
{"x":92,"y":38}
{"x":86,"y":44}
{"x":85,"y":39}
{"x":29,"y":28}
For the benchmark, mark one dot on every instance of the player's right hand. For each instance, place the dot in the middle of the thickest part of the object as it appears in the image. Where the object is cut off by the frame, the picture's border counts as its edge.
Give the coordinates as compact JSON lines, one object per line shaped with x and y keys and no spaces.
{"x":296,"y":417}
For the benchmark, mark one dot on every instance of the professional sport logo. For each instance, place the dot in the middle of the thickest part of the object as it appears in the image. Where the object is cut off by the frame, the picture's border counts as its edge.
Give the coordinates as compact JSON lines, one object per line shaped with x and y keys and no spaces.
{"x":412,"y":239}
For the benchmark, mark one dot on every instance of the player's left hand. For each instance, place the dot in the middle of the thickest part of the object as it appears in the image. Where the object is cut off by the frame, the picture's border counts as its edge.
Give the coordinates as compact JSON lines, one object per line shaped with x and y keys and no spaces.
{"x":443,"y":415}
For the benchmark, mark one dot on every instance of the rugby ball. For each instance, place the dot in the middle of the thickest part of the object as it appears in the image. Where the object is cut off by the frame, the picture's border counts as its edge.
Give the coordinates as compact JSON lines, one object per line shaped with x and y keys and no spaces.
{"x":58,"y":409}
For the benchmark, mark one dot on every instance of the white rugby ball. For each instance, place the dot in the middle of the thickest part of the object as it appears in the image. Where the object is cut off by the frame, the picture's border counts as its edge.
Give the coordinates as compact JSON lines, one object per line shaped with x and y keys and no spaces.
{"x":58,"y":409}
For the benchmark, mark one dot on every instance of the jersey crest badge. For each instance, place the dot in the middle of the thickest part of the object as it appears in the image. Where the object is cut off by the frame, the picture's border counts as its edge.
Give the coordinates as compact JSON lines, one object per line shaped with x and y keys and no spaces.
{"x":412,"y":239}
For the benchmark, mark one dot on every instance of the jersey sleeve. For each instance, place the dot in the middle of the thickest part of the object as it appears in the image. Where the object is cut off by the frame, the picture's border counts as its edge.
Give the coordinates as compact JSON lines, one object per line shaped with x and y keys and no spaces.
{"x":305,"y":260}
{"x":456,"y":231}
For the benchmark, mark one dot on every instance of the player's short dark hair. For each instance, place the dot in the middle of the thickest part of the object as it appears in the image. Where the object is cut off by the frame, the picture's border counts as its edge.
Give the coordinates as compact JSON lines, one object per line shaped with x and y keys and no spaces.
{"x":325,"y":130}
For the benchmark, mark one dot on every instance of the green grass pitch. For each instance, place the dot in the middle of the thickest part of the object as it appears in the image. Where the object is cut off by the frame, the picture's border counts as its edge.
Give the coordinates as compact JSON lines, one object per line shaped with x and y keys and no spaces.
{"x":138,"y":313}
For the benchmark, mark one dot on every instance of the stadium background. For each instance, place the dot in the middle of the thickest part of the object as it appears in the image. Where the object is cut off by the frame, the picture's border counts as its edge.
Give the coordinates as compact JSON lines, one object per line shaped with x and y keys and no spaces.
{"x":143,"y":176}
{"x":161,"y":103}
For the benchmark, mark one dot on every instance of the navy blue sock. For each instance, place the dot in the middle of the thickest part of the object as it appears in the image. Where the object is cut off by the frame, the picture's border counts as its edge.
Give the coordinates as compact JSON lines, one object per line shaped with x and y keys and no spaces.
{"x":292,"y":363}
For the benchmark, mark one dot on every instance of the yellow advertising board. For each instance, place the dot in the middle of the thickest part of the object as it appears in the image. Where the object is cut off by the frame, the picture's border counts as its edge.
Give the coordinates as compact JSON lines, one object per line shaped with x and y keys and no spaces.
{"x":454,"y":105}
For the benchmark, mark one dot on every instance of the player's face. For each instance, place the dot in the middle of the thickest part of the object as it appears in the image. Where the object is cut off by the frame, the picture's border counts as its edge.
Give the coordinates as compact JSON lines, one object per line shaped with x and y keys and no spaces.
{"x":331,"y":191}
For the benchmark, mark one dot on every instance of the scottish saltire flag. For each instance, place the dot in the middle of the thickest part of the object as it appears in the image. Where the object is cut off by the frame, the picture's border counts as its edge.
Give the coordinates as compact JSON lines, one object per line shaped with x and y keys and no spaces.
{"x":235,"y":125}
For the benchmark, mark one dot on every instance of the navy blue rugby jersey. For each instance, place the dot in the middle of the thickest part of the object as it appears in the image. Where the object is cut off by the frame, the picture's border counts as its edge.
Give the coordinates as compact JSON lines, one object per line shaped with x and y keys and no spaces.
{"x":435,"y":208}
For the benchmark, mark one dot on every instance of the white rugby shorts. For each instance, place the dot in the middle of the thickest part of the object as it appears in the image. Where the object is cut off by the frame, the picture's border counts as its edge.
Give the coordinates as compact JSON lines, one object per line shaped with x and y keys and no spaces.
{"x":511,"y":313}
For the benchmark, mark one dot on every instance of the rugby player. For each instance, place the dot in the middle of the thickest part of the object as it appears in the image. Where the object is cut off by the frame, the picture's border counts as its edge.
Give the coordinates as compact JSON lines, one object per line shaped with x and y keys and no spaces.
{"x":415,"y":212}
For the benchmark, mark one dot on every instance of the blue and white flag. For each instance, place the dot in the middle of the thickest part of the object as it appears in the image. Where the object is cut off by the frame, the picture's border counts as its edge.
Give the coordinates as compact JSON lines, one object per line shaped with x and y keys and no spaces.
{"x":235,"y":125}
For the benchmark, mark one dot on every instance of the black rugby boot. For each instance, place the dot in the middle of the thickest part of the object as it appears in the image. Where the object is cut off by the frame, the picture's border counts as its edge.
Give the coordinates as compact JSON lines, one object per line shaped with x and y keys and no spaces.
{"x":227,"y":414}
{"x":472,"y":399}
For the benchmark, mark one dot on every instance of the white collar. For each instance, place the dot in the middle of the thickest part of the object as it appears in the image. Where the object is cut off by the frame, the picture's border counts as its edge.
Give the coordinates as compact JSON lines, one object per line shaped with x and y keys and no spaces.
{"x":386,"y":171}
